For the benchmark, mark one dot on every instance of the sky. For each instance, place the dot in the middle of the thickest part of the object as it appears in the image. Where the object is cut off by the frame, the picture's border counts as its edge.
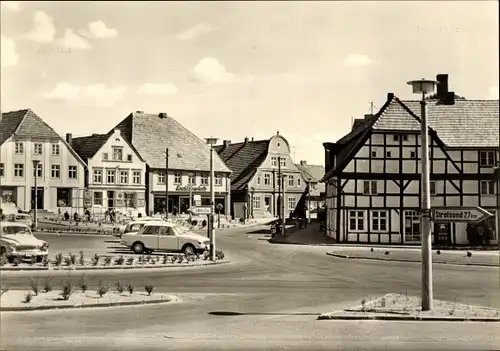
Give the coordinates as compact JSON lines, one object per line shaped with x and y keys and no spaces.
{"x":240,"y":69}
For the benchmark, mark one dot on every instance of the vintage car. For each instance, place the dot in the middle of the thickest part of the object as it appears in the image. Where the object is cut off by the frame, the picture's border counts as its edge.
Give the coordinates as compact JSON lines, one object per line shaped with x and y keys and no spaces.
{"x":165,"y":236}
{"x":133,"y":226}
{"x":17,"y":241}
{"x":21,"y":218}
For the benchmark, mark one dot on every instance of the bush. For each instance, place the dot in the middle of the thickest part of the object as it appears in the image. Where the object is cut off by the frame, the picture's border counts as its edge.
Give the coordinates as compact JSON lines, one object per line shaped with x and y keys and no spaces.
{"x":219,"y":254}
{"x":2,"y":260}
{"x":45,"y":261}
{"x":34,"y":286}
{"x":206,"y":255}
{"x":67,"y":261}
{"x":130,"y":289}
{"x":130,"y":260}
{"x":58,"y":260}
{"x":3,"y":289}
{"x":242,"y":220}
{"x":47,"y":286}
{"x":81,"y":260}
{"x":33,"y":260}
{"x":102,"y":289}
{"x":119,"y":260}
{"x":119,"y":287}
{"x":148,"y":258}
{"x":95,"y":260}
{"x":15,"y":262}
{"x":107,"y":260}
{"x":141,"y":259}
{"x":28,"y":297}
{"x":67,"y":290}
{"x":83,"y":284}
{"x":165,"y":259}
{"x":72,"y":258}
{"x":149,"y":288}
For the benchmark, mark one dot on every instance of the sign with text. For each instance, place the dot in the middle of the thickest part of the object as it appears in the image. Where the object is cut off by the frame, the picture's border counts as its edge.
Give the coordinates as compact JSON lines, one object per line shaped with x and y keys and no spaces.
{"x":192,"y":188}
{"x":459,"y":214}
{"x":200,"y":210}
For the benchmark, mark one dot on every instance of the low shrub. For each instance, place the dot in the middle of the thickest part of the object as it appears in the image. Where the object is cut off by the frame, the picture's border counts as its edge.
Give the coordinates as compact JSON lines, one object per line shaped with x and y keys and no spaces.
{"x":148,"y":258}
{"x":107,"y":260}
{"x":67,"y":290}
{"x":72,"y":258}
{"x":206,"y":255}
{"x":149,"y":288}
{"x":28,"y":297}
{"x":119,"y":260}
{"x":102,"y":289}
{"x":47,"y":286}
{"x":141,"y":259}
{"x":165,"y":259}
{"x":45,"y":261}
{"x":67,"y":261}
{"x":83,"y":284}
{"x":130,"y":288}
{"x":219,"y":254}
{"x":81,"y":260}
{"x":119,"y":287}
{"x":3,"y":261}
{"x":3,"y":288}
{"x":153,"y":261}
{"x":95,"y":260}
{"x":58,"y":260}
{"x":33,"y":260}
{"x":34,"y":286}
{"x":15,"y":262}
{"x":130,"y":260}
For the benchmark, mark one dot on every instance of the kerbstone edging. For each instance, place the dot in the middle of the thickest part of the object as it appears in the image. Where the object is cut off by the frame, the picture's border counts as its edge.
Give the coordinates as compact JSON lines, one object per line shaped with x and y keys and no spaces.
{"x":103,"y":304}
{"x":93,"y":268}
{"x":409,"y":318}
{"x":409,"y":260}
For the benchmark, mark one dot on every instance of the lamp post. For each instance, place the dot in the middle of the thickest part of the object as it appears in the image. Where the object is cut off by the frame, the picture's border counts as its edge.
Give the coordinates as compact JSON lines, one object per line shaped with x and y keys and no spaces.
{"x":283,"y":217}
{"x":211,"y":141}
{"x":424,"y":87}
{"x":166,"y":184}
{"x":35,"y":215}
{"x":252,"y":192}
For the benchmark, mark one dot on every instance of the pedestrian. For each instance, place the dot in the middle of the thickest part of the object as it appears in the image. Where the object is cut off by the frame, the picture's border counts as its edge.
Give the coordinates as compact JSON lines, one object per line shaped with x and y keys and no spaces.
{"x":479,"y":235}
{"x":487,"y":235}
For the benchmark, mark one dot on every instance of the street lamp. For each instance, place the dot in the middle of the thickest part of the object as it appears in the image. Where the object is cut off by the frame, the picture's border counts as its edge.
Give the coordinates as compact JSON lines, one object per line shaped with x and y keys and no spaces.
{"x":212,"y":141}
{"x":35,"y":216}
{"x":252,"y":192}
{"x":424,"y":87}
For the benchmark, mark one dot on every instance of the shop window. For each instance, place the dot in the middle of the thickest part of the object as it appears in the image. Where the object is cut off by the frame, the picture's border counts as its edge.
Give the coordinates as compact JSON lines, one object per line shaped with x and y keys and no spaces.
{"x":64,"y":197}
{"x":356,"y":220}
{"x":98,"y":198}
{"x":379,"y":221}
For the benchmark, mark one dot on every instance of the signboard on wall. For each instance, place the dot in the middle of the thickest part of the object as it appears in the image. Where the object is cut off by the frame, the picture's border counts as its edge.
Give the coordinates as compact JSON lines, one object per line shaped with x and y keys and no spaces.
{"x":193,"y":188}
{"x":459,"y":214}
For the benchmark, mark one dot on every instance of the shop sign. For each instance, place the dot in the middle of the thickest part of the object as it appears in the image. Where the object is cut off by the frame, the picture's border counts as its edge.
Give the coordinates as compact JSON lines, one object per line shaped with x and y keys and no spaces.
{"x":192,"y":188}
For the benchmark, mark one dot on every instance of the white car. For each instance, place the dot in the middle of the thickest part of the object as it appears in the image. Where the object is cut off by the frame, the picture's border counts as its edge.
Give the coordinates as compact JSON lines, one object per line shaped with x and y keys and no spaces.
{"x":165,"y":236}
{"x":17,"y":241}
{"x":21,"y":218}
{"x":133,"y":226}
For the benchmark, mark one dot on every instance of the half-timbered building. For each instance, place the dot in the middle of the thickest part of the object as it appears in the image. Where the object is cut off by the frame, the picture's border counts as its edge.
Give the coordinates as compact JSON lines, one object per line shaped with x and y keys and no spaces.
{"x":373,"y":174}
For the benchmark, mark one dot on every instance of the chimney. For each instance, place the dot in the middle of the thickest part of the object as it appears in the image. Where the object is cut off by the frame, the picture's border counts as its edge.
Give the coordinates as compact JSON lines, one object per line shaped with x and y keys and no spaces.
{"x":303,"y":163}
{"x":368,"y":116}
{"x":227,"y":143}
{"x":139,"y":111}
{"x":69,"y":138}
{"x":163,"y":115}
{"x":95,"y":134}
{"x":450,"y":98}
{"x":252,"y":139}
{"x":246,"y":140}
{"x":390,"y":96}
{"x":442,"y":87}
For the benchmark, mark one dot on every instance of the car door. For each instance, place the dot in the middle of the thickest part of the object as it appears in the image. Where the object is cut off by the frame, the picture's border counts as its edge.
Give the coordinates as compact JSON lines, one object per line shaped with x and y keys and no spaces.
{"x":167,"y":240}
{"x":149,"y":236}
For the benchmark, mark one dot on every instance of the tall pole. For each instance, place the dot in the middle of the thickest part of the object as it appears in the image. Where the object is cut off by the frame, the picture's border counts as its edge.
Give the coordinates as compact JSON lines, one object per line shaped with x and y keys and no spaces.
{"x":427,"y":294}
{"x":308,"y":202}
{"x":35,"y":215}
{"x":283,"y":218}
{"x":279,"y":189}
{"x":498,"y":190}
{"x":166,"y":184}
{"x":212,"y":203}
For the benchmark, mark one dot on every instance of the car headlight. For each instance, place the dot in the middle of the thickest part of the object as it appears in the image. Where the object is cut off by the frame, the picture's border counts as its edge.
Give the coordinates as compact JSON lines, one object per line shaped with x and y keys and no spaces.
{"x":45,"y":246}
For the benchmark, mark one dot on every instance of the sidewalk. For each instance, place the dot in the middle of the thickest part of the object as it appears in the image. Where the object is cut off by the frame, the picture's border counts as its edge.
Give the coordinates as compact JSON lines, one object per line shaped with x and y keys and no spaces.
{"x":311,"y":235}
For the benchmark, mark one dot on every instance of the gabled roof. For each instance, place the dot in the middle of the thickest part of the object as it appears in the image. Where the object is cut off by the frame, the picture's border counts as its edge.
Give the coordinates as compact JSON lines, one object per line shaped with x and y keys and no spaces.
{"x":27,"y":124}
{"x":243,"y":159}
{"x":151,"y":135}
{"x":88,"y":146}
{"x":313,"y":173}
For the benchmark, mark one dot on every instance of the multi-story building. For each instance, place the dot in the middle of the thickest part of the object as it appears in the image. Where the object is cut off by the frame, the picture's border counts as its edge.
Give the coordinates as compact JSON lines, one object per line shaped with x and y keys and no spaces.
{"x":115,"y":175}
{"x":255,"y":185}
{"x":373,"y":191}
{"x":187,"y":177}
{"x":27,"y":140}
{"x":315,"y":191}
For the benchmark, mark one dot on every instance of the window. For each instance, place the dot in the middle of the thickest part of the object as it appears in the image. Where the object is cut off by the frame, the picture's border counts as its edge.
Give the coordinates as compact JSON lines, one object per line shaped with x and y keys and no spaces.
{"x":379,"y":221}
{"x":298,"y":181}
{"x":204,"y":179}
{"x":291,"y":181}
{"x":374,"y":153}
{"x":267,"y":179}
{"x":104,"y":156}
{"x":283,"y":162}
{"x":117,"y":154}
{"x":413,"y":154}
{"x":97,"y":197}
{"x":218,"y":179}
{"x":136,"y":177}
{"x":388,"y":154}
{"x":192,"y":179}
{"x":161,"y":178}
{"x":433,"y":188}
{"x":258,"y":180}
{"x":177,"y":178}
{"x":1,"y":170}
{"x":274,"y":161}
{"x":72,"y":172}
{"x":396,"y":137}
{"x":19,"y":149}
{"x":110,"y":176}
{"x":55,"y":150}
{"x":37,"y":148}
{"x":55,"y":171}
{"x":488,"y":187}
{"x":370,"y":187}
{"x":38,"y":170}
{"x":97,"y":175}
{"x":18,"y":170}
{"x":405,"y":137}
{"x":151,"y":230}
{"x":356,"y":220}
{"x":129,"y":158}
{"x":292,"y":202}
{"x":486,"y":158}
{"x":256,"y":202}
{"x":123,"y":177}
{"x":63,"y":197}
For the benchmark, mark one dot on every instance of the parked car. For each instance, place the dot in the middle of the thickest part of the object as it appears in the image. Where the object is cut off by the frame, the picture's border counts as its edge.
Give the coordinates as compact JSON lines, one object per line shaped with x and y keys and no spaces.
{"x":133,"y":226}
{"x":21,"y":218}
{"x":165,"y":236}
{"x":17,"y":241}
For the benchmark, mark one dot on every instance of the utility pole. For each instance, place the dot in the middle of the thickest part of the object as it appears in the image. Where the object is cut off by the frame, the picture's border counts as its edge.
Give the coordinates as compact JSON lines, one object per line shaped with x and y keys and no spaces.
{"x":212,"y":142}
{"x":283,"y":219}
{"x":166,"y":184}
{"x":35,"y":215}
{"x":279,"y":190}
{"x":308,"y":202}
{"x":498,"y":190}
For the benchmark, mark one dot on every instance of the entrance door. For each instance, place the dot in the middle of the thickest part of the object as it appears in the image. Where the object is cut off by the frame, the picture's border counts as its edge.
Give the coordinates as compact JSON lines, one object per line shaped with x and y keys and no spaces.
{"x":267,"y":203}
{"x":412,"y":227}
{"x":111,"y":199}
{"x":39,"y":199}
{"x":442,"y":234}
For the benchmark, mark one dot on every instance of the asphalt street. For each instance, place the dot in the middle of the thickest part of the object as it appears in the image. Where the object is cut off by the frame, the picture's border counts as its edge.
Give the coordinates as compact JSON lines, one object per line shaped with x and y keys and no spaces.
{"x":268,"y":298}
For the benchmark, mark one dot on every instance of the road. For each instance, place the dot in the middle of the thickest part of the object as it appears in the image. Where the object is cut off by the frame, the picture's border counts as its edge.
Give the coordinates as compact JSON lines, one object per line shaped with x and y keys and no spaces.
{"x":267,"y":299}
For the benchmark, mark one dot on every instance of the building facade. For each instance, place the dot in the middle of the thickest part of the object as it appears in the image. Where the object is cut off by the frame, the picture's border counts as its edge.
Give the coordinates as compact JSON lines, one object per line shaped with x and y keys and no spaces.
{"x":187,"y":176}
{"x":27,"y":140}
{"x":315,"y":191}
{"x":373,"y":182}
{"x":256,"y":166}
{"x":115,"y":179}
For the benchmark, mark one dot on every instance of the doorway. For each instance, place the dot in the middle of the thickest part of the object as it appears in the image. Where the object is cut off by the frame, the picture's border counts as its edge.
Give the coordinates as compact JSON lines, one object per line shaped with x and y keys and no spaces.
{"x":111,"y":199}
{"x":267,"y":204}
{"x":442,"y":234}
{"x":412,"y":227}
{"x":278,"y":206}
{"x":40,"y":201}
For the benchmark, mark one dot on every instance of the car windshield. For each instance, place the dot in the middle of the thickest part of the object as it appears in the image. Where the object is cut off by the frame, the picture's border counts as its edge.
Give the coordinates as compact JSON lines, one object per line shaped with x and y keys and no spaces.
{"x":10,"y":229}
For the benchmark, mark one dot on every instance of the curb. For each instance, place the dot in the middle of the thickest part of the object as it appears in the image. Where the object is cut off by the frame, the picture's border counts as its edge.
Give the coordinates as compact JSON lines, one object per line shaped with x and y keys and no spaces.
{"x":60,"y":307}
{"x":92,"y":268}
{"x":413,"y":261}
{"x":409,"y":318}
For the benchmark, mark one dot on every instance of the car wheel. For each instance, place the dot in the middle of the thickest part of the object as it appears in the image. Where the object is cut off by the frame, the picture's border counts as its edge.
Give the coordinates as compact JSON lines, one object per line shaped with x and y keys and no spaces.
{"x":138,"y":248}
{"x":188,"y":250}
